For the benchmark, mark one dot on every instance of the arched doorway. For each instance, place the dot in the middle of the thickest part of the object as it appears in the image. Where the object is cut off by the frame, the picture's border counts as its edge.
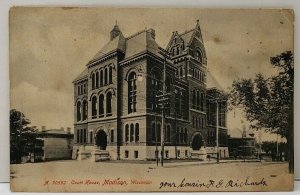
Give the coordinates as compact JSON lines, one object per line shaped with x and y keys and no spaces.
{"x":101,"y":139}
{"x":197,"y":142}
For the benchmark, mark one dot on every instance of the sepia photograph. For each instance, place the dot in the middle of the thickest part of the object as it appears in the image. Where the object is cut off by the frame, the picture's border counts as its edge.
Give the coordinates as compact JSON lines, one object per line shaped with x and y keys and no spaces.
{"x":151,"y":99}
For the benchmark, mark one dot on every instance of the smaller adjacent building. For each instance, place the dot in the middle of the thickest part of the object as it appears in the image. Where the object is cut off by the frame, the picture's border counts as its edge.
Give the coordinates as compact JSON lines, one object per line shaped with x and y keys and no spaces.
{"x":53,"y":144}
{"x":242,"y":146}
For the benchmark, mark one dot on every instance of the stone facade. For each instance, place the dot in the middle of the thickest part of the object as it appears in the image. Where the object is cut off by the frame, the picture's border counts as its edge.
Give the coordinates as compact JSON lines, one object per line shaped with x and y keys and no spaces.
{"x":115,"y":98}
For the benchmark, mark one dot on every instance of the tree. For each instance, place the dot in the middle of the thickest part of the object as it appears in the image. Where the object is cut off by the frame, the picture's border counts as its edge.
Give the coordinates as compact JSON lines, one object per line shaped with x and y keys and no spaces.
{"x":22,"y":136}
{"x":268,"y":101}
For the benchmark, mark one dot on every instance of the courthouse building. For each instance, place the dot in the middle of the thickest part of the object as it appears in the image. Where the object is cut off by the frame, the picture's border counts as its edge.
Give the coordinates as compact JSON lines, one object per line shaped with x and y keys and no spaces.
{"x":116,"y":106}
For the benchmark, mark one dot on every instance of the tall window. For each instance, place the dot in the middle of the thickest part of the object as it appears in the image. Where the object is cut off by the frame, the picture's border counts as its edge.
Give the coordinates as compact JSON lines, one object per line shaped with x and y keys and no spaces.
{"x":93,"y":81}
{"x":185,"y":135}
{"x":84,"y":136}
{"x":97,"y":79}
{"x":108,"y":104}
{"x":110,"y":75}
{"x":91,"y":137}
{"x":137,"y":132}
{"x":132,"y":92}
{"x":126,"y":133}
{"x":94,"y":107}
{"x":153,"y":132}
{"x":181,"y":136}
{"x":131,"y":132}
{"x":168,"y":134}
{"x":101,"y":78}
{"x":105,"y":77}
{"x":156,"y":87}
{"x":84,"y":110}
{"x":101,"y":105}
{"x":81,"y":136}
{"x":177,"y":135}
{"x":78,"y":136}
{"x":202,"y":102}
{"x":78,"y":111}
{"x":158,"y":132}
{"x":198,"y":100}
{"x":112,"y":136}
{"x":78,"y":90}
{"x":194,"y":99}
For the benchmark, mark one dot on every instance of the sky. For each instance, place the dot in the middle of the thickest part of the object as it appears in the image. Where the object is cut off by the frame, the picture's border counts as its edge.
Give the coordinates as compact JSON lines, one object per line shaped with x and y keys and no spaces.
{"x":49,"y":47}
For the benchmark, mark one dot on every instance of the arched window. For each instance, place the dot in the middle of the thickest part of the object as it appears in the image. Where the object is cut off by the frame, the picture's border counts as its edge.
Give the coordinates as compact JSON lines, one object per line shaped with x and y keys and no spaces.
{"x":101,"y":105}
{"x":84,"y":110}
{"x":110,"y":75}
{"x":202,"y":102}
{"x":132,"y":92}
{"x":108,"y":104}
{"x":97,"y":79}
{"x":91,"y":137}
{"x":198,"y":100}
{"x":158,"y":132}
{"x":126,"y":133}
{"x":137,"y":132}
{"x":168,"y":134}
{"x":84,"y":136}
{"x":105,"y":77}
{"x":78,"y":106}
{"x":156,"y":87}
{"x":78,"y":90}
{"x":131,"y":132}
{"x":177,"y":135}
{"x":101,"y":78}
{"x":198,"y":56}
{"x":78,"y":136}
{"x":185,"y":135}
{"x":81,"y":135}
{"x":153,"y":132}
{"x":194,"y":99}
{"x":181,"y":135}
{"x":94,"y":107}
{"x":93,"y":81}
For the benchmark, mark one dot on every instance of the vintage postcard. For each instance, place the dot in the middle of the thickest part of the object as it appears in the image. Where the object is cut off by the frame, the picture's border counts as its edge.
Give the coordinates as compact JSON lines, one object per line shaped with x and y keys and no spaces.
{"x":151,"y":100}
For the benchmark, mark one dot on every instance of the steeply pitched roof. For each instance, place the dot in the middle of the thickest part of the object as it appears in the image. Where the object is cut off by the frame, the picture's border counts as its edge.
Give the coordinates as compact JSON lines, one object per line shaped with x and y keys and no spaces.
{"x":117,"y":43}
{"x":211,"y":82}
{"x":84,"y":73}
{"x":141,"y":42}
{"x":187,"y":36}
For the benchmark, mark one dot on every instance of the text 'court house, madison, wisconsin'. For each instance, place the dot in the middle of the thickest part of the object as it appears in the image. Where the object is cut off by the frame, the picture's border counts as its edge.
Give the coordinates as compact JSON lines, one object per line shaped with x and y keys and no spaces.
{"x":118,"y":105}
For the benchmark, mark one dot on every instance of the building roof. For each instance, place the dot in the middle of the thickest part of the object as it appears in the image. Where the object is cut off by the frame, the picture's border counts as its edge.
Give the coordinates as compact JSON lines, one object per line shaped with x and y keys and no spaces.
{"x":114,"y":44}
{"x":83,"y":74}
{"x":141,"y":42}
{"x":187,"y":36}
{"x":211,"y":82}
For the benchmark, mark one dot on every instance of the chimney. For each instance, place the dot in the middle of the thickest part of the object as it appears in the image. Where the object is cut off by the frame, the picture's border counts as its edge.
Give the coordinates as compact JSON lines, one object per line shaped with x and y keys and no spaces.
{"x":151,"y":31}
{"x":43,"y":128}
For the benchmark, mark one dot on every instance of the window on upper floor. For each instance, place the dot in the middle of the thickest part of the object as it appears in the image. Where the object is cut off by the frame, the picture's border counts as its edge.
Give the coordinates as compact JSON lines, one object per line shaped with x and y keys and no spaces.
{"x":84,"y":110}
{"x":108,"y":104}
{"x":198,"y":56}
{"x":101,"y":105}
{"x":78,"y":108}
{"x":97,"y":80}
{"x":94,"y":107}
{"x":137,"y":132}
{"x":126,"y":133}
{"x":93,"y":81}
{"x":131,"y":132}
{"x":105,"y":76}
{"x":132,"y":90}
{"x":101,"y":78}
{"x":110,"y":75}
